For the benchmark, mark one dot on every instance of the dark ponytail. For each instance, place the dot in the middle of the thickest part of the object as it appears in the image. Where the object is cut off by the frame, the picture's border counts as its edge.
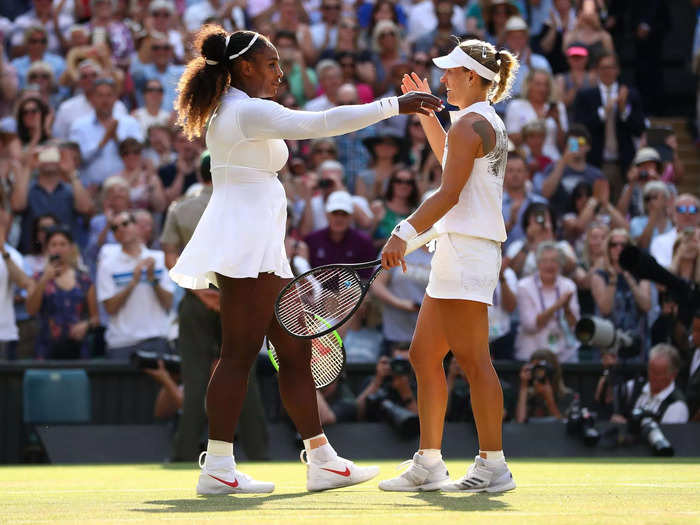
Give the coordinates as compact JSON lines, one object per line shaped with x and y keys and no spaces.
{"x":208,"y":76}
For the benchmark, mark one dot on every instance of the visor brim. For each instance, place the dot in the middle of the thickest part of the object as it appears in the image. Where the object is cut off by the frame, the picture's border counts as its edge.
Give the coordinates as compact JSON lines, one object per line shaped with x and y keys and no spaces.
{"x":445,"y":62}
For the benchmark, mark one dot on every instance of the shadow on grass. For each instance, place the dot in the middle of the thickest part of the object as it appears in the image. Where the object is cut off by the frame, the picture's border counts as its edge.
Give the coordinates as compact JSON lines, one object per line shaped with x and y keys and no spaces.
{"x":218,"y":503}
{"x":476,"y":502}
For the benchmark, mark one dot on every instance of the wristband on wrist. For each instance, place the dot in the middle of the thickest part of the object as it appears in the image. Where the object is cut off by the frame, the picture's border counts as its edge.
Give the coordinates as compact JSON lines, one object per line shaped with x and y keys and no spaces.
{"x":405,"y":231}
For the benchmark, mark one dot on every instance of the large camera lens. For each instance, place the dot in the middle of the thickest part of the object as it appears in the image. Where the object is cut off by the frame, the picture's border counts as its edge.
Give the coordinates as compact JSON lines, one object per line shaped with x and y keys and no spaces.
{"x":660,"y":446}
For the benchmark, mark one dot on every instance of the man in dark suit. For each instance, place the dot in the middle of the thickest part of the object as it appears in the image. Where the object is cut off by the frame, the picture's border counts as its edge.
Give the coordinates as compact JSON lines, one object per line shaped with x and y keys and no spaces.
{"x":692,"y":388}
{"x":613,"y":114}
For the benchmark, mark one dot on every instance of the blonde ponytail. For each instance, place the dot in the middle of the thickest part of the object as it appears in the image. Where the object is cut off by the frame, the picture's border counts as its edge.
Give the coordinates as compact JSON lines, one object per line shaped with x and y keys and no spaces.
{"x":508,"y":67}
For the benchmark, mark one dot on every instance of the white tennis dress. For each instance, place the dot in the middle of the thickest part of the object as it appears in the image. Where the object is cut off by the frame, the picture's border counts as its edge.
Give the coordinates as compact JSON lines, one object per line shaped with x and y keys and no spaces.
{"x":467,"y":257}
{"x":241,"y":232}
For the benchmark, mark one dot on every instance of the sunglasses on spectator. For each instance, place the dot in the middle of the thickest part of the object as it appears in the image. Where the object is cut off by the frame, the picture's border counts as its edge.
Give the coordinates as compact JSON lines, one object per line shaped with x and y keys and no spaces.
{"x":399,"y":180}
{"x":29,"y":110}
{"x":123,"y":224}
{"x":39,"y":75}
{"x":386,"y":33}
{"x":160,"y":47}
{"x":617,"y":244}
{"x":154,"y":89}
{"x":132,"y":152}
{"x":652,"y":197}
{"x":690,"y":209}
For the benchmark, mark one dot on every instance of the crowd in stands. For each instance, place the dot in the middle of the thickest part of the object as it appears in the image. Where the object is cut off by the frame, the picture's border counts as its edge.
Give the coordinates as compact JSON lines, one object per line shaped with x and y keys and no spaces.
{"x":92,"y":166}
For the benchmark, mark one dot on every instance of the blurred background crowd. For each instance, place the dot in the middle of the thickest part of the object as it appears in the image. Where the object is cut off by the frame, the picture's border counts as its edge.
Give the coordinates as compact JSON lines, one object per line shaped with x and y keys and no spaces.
{"x":99,"y":191}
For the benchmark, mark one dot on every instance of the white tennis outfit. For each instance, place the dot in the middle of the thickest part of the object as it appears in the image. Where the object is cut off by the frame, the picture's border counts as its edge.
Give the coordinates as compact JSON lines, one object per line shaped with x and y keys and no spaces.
{"x":241,"y":232}
{"x":467,"y":258}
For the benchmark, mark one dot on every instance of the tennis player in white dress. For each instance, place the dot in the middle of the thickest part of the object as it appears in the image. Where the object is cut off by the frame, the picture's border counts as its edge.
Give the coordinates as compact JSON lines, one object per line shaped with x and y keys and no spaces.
{"x":238,"y":244}
{"x":466,"y":210}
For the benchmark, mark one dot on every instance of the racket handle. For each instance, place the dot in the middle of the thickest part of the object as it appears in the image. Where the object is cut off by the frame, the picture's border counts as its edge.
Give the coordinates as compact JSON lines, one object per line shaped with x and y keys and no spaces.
{"x":421,"y":240}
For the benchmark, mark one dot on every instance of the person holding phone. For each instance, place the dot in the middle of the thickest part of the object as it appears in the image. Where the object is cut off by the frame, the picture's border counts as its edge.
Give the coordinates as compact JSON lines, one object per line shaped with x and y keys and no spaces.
{"x":238,"y":244}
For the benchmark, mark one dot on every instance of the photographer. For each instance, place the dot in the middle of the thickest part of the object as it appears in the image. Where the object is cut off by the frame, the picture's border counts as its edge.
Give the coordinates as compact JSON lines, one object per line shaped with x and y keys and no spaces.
{"x":336,"y":403}
{"x":390,"y":382}
{"x":170,"y":396}
{"x":542,"y":394}
{"x":659,"y":396}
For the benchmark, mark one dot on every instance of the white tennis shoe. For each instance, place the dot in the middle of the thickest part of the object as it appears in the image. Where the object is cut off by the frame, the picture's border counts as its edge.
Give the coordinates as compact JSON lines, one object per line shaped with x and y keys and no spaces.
{"x":229,"y":481}
{"x":482,"y":478}
{"x":418,"y":477}
{"x":335,"y":474}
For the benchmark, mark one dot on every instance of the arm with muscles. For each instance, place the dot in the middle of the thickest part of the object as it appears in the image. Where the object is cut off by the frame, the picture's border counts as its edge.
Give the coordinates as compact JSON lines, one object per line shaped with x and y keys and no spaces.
{"x":467,"y":134}
{"x":434,"y":131}
{"x":381,"y":291}
{"x":264,"y":119}
{"x":115,"y":303}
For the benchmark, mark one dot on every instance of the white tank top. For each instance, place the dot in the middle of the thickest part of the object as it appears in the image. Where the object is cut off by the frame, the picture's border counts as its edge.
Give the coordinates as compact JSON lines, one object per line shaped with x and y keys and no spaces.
{"x":478,"y":212}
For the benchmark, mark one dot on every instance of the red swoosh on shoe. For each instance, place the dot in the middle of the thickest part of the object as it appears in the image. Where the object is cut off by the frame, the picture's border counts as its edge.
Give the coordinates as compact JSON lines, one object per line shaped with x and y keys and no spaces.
{"x":230,"y":484}
{"x":345,"y":473}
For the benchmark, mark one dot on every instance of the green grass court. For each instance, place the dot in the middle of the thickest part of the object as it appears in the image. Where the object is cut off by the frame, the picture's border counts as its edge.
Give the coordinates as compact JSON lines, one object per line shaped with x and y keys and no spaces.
{"x":549,"y":491}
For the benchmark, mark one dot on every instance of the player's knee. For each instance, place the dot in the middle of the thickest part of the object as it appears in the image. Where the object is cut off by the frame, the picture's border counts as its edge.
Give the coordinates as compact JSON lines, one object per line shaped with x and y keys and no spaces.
{"x":241,"y":356}
{"x":421,"y":360}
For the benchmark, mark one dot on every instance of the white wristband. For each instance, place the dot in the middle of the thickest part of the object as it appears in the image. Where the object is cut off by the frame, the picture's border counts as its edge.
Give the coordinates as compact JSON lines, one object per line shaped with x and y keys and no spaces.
{"x":405,"y":231}
{"x":389,"y":106}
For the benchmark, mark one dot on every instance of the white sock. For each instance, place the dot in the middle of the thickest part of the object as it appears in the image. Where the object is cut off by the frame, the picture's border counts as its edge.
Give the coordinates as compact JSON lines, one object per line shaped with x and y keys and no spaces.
{"x":219,"y":455}
{"x":319,"y":454}
{"x":493,"y":457}
{"x":430,"y":456}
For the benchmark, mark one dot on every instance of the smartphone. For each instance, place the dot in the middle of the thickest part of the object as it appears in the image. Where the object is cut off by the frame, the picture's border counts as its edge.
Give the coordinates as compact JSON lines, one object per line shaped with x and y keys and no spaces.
{"x":572,"y":144}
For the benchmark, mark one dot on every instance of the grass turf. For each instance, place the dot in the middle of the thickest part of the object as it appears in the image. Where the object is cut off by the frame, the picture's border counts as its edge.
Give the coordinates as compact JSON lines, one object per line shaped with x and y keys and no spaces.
{"x":549,"y":491}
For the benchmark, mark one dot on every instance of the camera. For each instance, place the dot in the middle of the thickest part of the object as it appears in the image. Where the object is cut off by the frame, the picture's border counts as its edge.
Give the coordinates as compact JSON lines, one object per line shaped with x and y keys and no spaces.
{"x":601,"y":333}
{"x":540,"y":217}
{"x":143,"y":360}
{"x":326,"y":183}
{"x":581,"y":422}
{"x":380,"y":407}
{"x":641,"y":423}
{"x":643,"y":175}
{"x":542,"y":372}
{"x":400,"y":367}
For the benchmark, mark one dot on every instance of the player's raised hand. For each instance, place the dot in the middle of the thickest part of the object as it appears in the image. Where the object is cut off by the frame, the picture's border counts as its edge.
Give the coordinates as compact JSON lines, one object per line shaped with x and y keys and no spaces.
{"x":413,"y":82}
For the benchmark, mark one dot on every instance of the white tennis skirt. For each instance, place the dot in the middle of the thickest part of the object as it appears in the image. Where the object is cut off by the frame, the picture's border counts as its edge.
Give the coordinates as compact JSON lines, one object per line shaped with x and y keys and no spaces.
{"x":464,"y":267}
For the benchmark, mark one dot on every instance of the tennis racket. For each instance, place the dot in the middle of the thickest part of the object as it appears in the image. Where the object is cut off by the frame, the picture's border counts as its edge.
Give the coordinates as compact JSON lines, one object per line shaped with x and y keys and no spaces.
{"x":327,"y":358}
{"x":322,"y":299}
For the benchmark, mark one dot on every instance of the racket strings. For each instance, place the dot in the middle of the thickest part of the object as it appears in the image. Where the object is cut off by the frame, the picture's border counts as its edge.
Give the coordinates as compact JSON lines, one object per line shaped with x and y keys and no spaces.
{"x":327,"y":359}
{"x":330,"y":293}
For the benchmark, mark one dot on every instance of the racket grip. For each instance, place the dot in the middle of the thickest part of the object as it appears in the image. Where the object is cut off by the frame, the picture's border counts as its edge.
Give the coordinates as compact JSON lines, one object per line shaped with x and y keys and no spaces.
{"x":421,"y":240}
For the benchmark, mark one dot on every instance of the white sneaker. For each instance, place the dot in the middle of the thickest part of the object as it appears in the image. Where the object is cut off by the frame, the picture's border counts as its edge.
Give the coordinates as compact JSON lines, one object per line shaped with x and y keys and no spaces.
{"x":482,"y":478}
{"x":417,"y":478}
{"x":229,"y":481}
{"x":335,"y":474}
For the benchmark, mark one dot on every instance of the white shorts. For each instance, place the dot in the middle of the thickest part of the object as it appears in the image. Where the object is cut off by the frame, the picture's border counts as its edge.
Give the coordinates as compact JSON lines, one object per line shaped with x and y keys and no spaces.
{"x":464,"y":267}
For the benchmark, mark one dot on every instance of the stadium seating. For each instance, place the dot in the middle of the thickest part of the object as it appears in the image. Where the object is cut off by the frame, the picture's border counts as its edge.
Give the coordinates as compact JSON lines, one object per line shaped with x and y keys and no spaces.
{"x":56,"y":396}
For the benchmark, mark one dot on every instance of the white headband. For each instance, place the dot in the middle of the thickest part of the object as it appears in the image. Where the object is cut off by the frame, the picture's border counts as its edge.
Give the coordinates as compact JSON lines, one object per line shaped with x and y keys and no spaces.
{"x":235,"y":55}
{"x":459,"y":58}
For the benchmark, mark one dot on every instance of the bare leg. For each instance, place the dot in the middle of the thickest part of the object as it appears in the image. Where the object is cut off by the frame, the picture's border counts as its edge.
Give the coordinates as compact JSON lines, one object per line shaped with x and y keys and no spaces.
{"x":428,"y":349}
{"x":465,"y":324}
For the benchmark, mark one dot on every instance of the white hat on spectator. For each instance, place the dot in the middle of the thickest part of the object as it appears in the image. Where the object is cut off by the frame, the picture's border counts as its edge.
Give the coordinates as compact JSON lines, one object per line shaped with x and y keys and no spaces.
{"x":516,"y":23}
{"x":646,"y":155}
{"x":161,"y":5}
{"x":339,"y":201}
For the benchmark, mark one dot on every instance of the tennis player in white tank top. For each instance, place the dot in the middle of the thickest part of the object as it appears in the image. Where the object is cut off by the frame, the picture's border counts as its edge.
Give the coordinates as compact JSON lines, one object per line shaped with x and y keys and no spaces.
{"x":466,"y":210}
{"x":238,"y":244}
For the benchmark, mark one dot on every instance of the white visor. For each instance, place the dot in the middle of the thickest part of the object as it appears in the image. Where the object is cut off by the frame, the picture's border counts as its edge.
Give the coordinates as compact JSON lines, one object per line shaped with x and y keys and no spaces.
{"x":458,"y":58}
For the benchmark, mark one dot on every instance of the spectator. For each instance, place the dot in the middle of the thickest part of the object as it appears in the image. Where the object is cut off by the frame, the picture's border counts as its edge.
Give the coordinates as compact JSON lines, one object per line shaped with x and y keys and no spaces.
{"x":542,"y":396}
{"x":63,"y":300}
{"x":115,"y":200}
{"x":589,"y":32}
{"x":685,"y":215}
{"x":322,"y":150}
{"x":79,"y":105}
{"x":534,"y":134}
{"x":685,"y":262}
{"x":517,"y":197}
{"x":145,"y":188}
{"x":550,"y":39}
{"x":659,"y":395}
{"x":159,"y":146}
{"x":9,"y":84}
{"x":645,"y":228}
{"x":516,"y":38}
{"x":576,"y":78}
{"x":612,"y":113}
{"x":487,"y":18}
{"x":107,"y":29}
{"x":443,"y":30}
{"x":356,"y":74}
{"x":692,"y":391}
{"x":387,"y":383}
{"x":587,"y":205}
{"x":152,"y":113}
{"x":352,"y":153}
{"x":36,"y":44}
{"x":385,"y":149}
{"x":171,"y":394}
{"x":395,"y":125}
{"x":646,"y":167}
{"x":350,"y":41}
{"x":591,"y":259}
{"x":300,"y":78}
{"x":134,"y":287}
{"x":400,"y":200}
{"x":163,"y":20}
{"x":330,"y":78}
{"x":99,"y":133}
{"x":54,"y":23}
{"x":336,"y":403}
{"x":11,"y":275}
{"x":339,"y":242}
{"x":180,"y":174}
{"x":161,"y":68}
{"x":548,"y":308}
{"x":401,"y":294}
{"x":538,"y":224}
{"x":293,"y":18}
{"x":330,"y":180}
{"x":34,"y":120}
{"x":56,"y":190}
{"x":618,"y":296}
{"x":386,"y":44}
{"x":505,"y":301}
{"x":35,"y":259}
{"x":559,"y":179}
{"x":422,"y":19}
{"x":40,"y":75}
{"x":324,"y":34}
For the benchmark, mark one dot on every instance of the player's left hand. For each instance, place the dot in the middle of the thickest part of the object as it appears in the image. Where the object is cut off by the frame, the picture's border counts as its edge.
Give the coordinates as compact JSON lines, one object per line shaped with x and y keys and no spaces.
{"x":393,"y":252}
